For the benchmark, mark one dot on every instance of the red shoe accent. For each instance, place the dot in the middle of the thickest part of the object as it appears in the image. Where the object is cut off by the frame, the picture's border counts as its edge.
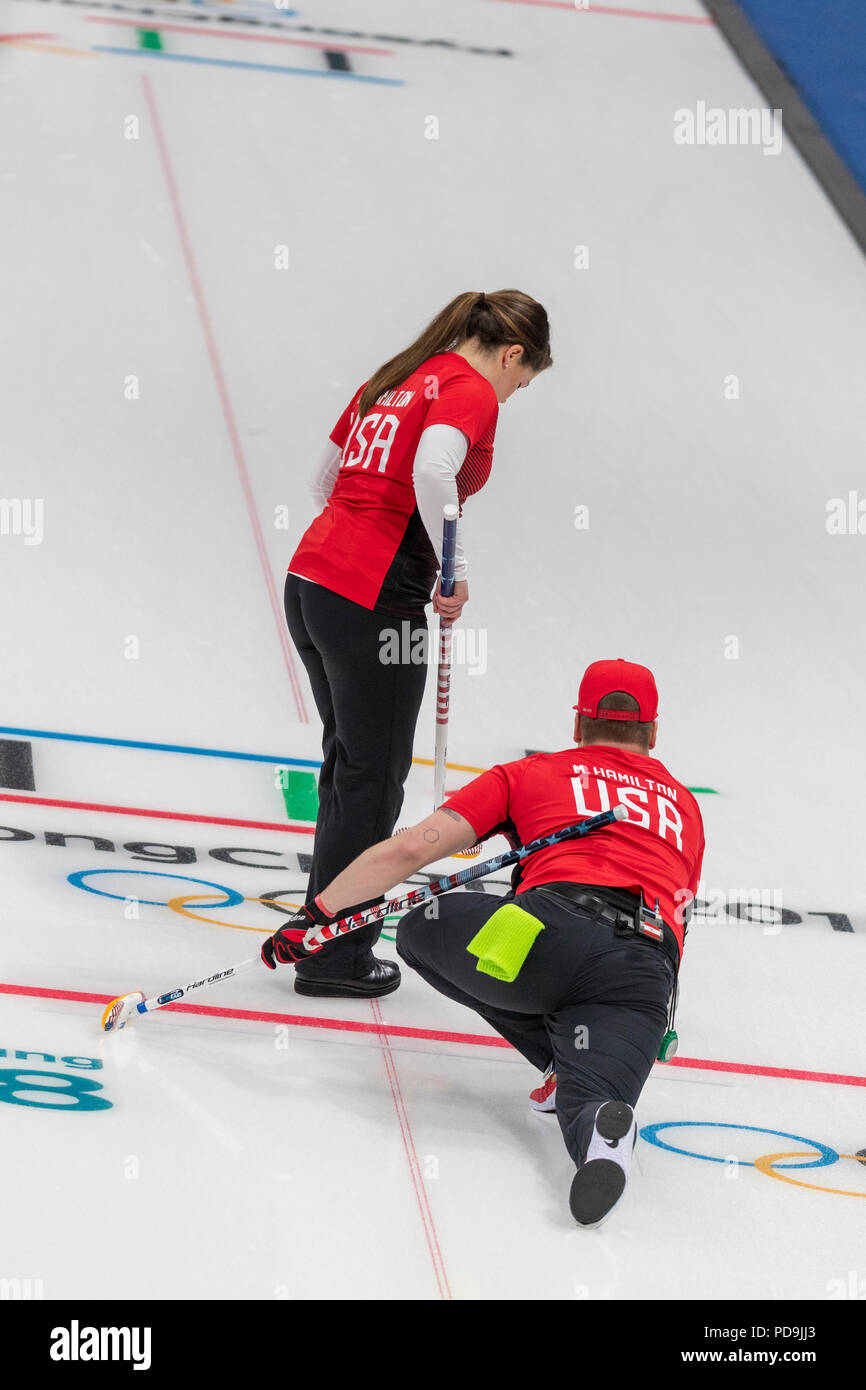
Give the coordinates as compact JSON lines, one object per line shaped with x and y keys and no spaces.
{"x":543,"y":1098}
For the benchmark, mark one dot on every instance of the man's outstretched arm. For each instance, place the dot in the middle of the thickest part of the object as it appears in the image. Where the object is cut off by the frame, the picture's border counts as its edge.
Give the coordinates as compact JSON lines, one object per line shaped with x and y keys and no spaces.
{"x":394,"y":860}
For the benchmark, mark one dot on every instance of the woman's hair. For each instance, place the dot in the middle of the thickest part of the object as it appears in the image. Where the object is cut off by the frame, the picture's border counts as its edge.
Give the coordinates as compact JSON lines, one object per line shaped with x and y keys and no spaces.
{"x":496,"y":320}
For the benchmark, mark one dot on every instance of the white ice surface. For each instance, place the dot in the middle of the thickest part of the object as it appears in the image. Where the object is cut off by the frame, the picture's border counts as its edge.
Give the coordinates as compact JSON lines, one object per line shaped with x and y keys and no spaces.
{"x":258,"y":1161}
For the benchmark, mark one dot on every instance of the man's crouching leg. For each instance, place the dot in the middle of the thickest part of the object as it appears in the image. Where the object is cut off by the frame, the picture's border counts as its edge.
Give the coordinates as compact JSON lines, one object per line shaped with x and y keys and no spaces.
{"x":604,"y":1053}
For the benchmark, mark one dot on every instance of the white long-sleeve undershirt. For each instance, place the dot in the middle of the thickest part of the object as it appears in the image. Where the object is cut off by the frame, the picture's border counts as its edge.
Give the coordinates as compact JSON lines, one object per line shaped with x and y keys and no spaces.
{"x":327,"y":468}
{"x":438,"y":459}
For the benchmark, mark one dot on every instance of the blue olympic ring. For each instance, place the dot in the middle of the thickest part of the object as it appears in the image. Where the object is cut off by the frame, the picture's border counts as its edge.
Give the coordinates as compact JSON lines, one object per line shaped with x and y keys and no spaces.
{"x":650,"y":1134}
{"x":77,"y":880}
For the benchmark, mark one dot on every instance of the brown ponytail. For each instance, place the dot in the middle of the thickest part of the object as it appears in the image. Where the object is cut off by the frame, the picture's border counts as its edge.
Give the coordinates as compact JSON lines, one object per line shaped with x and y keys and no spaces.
{"x":496,"y":320}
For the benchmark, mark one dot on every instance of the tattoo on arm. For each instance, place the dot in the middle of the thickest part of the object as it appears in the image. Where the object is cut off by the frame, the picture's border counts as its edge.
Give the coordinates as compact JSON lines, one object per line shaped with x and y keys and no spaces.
{"x":431,"y":836}
{"x":446,"y":811}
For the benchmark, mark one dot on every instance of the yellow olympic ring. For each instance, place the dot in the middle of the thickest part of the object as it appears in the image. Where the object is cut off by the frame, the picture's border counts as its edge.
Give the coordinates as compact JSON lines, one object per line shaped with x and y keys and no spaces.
{"x":179,"y":905}
{"x":764,"y":1164}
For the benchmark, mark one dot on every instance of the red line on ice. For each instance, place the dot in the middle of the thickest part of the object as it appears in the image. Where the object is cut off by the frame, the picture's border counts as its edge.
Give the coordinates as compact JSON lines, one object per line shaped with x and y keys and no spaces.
{"x":231,"y":33}
{"x":615,"y":10}
{"x":415,"y":1173}
{"x":227,"y":412}
{"x":160,"y":815}
{"x":395,"y":1030}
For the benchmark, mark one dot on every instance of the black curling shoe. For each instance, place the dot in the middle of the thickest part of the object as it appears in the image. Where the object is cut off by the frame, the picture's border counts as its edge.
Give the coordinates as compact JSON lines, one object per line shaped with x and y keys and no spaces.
{"x":600,"y":1180}
{"x":383,"y":978}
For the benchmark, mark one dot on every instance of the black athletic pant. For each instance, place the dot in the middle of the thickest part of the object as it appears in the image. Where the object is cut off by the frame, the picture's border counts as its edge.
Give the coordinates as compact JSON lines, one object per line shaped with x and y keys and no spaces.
{"x":368,"y":709}
{"x":592,"y":1002}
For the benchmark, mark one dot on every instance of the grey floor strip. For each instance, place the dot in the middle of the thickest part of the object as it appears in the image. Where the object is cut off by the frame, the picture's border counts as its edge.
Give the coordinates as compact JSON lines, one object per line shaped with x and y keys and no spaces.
{"x":798,"y":123}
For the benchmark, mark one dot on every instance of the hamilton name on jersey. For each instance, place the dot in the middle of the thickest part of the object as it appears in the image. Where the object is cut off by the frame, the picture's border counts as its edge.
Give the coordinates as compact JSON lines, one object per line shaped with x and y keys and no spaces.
{"x":631,"y":778}
{"x":395,"y":398}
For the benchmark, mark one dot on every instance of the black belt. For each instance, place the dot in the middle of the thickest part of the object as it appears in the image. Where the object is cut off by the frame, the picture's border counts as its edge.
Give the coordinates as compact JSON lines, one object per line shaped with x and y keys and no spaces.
{"x":621,"y":910}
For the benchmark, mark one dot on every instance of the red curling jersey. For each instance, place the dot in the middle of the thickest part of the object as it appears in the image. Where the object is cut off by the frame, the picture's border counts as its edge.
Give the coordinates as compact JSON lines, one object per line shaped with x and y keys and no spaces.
{"x":369,"y":544}
{"x":658,"y":850}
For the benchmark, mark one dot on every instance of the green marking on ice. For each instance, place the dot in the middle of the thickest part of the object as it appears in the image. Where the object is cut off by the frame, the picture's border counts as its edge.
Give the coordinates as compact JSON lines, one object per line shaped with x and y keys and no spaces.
{"x":300,"y":793}
{"x":149,"y":38}
{"x":391,"y":920}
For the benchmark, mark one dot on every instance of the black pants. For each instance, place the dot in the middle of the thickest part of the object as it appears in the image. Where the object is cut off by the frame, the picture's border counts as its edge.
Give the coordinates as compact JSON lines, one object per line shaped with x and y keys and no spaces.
{"x":368,"y":710}
{"x":592,"y":1002}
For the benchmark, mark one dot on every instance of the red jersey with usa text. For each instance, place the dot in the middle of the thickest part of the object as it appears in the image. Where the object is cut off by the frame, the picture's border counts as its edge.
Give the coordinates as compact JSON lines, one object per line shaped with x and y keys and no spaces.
{"x":657,"y":851}
{"x":369,"y":544}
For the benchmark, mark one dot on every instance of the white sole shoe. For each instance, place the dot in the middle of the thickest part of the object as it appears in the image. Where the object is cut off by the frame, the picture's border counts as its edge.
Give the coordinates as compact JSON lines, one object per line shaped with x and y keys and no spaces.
{"x":600,"y":1181}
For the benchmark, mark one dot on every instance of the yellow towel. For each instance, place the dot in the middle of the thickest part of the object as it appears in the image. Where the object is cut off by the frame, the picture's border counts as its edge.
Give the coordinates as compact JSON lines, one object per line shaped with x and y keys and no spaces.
{"x":504,"y":942}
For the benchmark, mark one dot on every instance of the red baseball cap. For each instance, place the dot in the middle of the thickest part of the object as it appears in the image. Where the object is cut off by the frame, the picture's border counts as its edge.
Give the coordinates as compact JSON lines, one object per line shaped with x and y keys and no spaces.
{"x":604,"y":677}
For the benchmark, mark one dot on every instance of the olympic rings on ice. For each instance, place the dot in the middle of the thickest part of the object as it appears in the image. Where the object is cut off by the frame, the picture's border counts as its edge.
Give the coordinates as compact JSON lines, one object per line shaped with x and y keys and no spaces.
{"x":233,"y":899}
{"x":823,"y":1157}
{"x":179,"y":903}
